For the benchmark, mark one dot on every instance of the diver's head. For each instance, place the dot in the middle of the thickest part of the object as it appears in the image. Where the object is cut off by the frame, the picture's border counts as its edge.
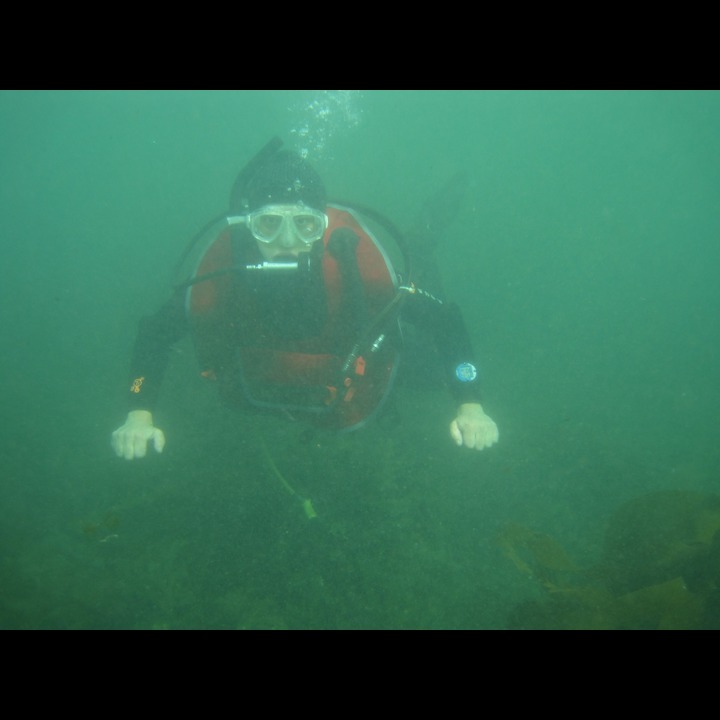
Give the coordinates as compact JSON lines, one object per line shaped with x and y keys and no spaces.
{"x":286,"y":206}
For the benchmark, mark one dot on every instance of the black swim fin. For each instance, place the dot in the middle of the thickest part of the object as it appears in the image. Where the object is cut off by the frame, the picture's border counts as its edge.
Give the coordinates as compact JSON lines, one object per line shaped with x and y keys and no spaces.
{"x":439,"y":211}
{"x":432,"y":223}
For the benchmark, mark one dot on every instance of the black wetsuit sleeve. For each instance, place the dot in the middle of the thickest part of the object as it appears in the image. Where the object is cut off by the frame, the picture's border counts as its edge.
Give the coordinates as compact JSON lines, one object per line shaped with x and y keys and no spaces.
{"x":444,"y":322}
{"x":156,"y":335}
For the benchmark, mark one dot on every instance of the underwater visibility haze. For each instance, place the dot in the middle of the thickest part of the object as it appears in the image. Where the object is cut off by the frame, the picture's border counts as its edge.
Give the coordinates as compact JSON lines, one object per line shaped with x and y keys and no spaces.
{"x":584,"y":256}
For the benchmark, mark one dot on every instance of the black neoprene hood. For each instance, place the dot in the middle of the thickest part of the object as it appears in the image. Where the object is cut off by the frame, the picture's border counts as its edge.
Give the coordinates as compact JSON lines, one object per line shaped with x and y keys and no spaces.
{"x":286,"y":178}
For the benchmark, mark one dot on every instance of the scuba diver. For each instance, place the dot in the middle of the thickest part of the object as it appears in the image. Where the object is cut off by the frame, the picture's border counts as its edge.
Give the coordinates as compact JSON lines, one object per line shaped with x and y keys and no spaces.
{"x":296,"y":307}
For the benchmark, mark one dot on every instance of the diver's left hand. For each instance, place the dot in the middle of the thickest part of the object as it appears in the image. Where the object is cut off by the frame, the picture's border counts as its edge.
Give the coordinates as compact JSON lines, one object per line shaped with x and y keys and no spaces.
{"x":473,"y":428}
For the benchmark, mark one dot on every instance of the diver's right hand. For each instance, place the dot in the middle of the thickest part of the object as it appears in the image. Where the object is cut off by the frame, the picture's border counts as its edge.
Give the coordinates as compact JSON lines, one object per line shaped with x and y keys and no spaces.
{"x":131,"y":439}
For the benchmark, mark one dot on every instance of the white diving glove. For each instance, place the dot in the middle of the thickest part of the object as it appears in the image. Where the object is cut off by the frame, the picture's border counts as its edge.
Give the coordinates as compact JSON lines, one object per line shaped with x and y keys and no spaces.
{"x":130,"y":440}
{"x":473,"y":428}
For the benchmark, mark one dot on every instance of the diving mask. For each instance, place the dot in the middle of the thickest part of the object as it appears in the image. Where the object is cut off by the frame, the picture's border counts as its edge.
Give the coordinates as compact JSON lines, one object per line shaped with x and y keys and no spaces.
{"x":270,"y":221}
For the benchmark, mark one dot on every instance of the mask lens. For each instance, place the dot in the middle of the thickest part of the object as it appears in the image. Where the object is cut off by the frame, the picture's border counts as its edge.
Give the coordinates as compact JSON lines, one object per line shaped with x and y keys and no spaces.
{"x":267,"y":226}
{"x":309,"y":227}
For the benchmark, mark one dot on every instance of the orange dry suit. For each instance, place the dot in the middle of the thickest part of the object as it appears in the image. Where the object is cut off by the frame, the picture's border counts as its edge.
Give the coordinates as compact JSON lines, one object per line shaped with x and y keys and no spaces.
{"x":309,"y":338}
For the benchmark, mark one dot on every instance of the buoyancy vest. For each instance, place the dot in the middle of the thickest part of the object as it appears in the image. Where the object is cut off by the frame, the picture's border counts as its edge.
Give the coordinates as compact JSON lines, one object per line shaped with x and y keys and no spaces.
{"x":339,"y":375}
